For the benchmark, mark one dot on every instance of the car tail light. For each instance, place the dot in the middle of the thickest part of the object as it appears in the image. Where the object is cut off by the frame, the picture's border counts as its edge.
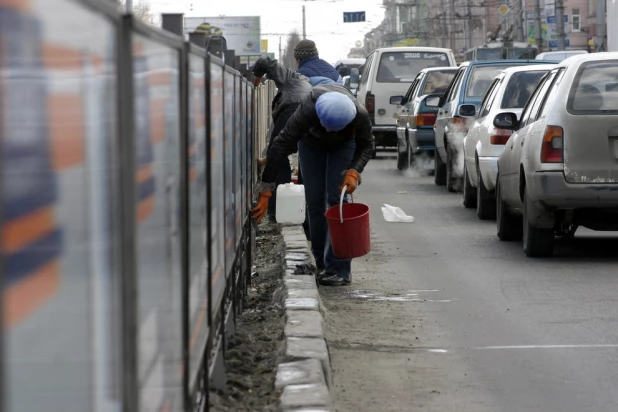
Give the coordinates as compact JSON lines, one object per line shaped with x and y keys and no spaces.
{"x":459,"y":124}
{"x":499,"y":136}
{"x":553,"y":144}
{"x":370,"y":103}
{"x":426,"y":119}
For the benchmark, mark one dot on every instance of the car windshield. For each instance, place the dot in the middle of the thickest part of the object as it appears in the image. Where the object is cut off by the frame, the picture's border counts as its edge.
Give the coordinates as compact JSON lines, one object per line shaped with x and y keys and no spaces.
{"x":438,"y":81}
{"x":595,"y":89}
{"x":402,"y":67}
{"x":519,"y":88}
{"x":481,"y":78}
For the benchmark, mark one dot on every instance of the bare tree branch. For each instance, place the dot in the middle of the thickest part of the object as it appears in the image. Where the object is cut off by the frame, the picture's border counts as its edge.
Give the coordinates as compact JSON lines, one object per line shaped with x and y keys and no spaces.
{"x":288,"y":59}
{"x":141,"y":11}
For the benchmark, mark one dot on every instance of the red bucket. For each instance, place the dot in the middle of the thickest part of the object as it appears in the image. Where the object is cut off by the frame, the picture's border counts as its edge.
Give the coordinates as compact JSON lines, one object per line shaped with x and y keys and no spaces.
{"x":348,"y":224}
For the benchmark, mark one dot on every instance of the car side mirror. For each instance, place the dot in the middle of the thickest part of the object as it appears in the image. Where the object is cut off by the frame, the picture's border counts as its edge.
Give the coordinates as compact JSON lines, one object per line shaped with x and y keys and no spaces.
{"x":396,"y":100}
{"x":432,"y":101}
{"x":354,"y":78}
{"x":507,"y":121}
{"x":467,"y":110}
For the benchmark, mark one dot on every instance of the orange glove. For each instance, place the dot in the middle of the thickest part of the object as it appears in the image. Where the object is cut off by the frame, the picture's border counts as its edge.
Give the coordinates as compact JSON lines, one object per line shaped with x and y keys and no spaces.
{"x":351,"y":180}
{"x":256,"y":81}
{"x":261,"y":161}
{"x":260,"y":210}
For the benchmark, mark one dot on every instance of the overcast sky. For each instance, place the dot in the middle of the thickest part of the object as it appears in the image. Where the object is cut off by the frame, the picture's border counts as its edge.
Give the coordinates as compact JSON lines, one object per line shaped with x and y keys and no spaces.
{"x":324,"y":19}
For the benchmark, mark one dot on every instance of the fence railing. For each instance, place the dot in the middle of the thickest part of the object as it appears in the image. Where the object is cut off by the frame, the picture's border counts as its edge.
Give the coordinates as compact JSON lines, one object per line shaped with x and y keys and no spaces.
{"x":127,"y":174}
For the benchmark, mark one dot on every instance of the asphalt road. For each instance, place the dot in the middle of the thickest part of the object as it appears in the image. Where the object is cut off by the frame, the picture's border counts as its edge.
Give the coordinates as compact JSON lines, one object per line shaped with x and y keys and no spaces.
{"x":442,"y":316}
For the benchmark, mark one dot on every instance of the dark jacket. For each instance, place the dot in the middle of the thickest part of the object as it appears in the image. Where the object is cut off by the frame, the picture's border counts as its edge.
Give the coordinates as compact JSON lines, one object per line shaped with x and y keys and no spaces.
{"x":293,"y":87}
{"x":305,"y":125}
{"x":319,"y":71}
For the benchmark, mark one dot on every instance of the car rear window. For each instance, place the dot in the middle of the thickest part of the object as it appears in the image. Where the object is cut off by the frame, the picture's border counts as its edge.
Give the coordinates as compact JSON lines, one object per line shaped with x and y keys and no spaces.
{"x":480,"y":79}
{"x":402,"y":67}
{"x":520,"y":87}
{"x":595,"y":89}
{"x":438,"y":81}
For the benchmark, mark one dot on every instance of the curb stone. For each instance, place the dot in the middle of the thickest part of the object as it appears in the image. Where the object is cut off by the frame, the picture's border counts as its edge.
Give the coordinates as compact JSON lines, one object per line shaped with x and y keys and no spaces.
{"x":304,"y":374}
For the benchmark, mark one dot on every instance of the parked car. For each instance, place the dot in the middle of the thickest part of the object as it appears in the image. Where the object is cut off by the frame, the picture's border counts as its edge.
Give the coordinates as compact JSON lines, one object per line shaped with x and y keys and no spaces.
{"x":457,"y":108}
{"x":484,"y":143}
{"x":388,"y":72}
{"x":559,"y":169}
{"x":414,"y":119}
{"x":558,"y":56}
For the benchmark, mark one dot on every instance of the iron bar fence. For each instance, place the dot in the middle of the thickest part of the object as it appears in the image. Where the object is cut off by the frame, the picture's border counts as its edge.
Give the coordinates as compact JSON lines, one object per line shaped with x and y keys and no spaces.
{"x":126,"y":179}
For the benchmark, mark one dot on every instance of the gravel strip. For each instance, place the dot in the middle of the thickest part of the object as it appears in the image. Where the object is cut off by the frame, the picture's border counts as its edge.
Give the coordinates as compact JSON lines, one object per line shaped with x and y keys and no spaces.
{"x":252,"y":362}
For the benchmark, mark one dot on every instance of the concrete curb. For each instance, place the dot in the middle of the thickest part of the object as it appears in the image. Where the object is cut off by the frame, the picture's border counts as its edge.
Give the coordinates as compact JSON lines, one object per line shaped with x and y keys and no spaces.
{"x":304,"y":374}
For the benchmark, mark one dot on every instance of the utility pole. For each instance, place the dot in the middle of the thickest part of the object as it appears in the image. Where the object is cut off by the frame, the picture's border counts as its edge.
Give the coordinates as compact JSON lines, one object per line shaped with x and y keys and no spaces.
{"x":129,"y":6}
{"x":601,"y":25}
{"x":304,"y":24}
{"x":417,"y":19}
{"x":560,"y":24}
{"x":468,"y":26}
{"x":519,"y":20}
{"x":450,"y":21}
{"x":537,"y":24}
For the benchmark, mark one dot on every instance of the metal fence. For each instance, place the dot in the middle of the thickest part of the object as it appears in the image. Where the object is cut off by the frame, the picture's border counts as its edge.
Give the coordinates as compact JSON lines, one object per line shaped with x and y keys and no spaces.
{"x":127,"y":174}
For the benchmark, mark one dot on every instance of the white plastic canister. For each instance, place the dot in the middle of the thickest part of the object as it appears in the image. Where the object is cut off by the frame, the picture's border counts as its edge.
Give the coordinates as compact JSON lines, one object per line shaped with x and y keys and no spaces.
{"x":290,"y":204}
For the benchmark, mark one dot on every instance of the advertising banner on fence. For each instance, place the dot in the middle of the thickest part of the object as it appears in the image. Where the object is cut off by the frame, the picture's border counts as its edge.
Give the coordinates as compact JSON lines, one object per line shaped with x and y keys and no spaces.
{"x":242,"y":34}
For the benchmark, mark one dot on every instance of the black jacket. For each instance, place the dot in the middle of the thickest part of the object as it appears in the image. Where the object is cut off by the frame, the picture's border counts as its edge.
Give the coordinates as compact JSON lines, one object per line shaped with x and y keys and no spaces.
{"x":292,"y":87}
{"x":305,"y":125}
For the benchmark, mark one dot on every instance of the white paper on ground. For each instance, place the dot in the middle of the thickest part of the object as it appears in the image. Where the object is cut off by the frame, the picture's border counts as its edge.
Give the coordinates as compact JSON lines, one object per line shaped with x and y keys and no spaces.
{"x":395,"y":214}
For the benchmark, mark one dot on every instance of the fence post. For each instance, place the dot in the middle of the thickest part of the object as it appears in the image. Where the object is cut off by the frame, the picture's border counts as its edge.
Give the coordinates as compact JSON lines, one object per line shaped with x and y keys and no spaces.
{"x":229,"y":58}
{"x":173,"y":23}
{"x":198,"y":39}
{"x":128,"y":248}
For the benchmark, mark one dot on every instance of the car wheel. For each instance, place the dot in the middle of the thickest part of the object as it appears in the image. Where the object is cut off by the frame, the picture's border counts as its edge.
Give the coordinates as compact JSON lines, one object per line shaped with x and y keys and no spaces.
{"x":485,"y":203}
{"x":538,"y":242}
{"x":439,"y":172}
{"x":469,"y":192}
{"x":453,"y":183}
{"x":509,"y":226}
{"x":402,"y":158}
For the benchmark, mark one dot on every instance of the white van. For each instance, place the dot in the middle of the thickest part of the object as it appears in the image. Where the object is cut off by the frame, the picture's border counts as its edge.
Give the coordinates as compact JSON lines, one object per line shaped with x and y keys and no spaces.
{"x":558,"y":56}
{"x":385,"y":79}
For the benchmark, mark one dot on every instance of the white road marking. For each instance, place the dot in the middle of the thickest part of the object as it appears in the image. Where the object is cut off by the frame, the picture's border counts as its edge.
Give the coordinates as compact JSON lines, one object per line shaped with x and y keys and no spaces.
{"x":591,"y":346}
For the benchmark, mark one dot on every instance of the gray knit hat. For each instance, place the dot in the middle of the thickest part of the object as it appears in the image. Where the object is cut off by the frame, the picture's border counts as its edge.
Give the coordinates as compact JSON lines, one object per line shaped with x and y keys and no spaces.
{"x":305,"y":48}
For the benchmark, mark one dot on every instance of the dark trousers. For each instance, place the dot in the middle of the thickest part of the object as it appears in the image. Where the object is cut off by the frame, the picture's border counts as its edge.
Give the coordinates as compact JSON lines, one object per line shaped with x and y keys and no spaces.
{"x":284,"y":174}
{"x":323,"y":170}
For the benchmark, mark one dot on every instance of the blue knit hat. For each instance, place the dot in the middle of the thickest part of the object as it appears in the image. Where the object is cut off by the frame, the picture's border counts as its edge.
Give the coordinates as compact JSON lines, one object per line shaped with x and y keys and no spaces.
{"x":335,"y":110}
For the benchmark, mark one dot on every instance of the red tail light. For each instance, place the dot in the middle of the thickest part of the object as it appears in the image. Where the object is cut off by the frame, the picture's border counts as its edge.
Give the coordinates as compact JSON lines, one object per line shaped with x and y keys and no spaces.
{"x":553,"y":145}
{"x":370,"y":103}
{"x":499,"y":136}
{"x":426,"y":119}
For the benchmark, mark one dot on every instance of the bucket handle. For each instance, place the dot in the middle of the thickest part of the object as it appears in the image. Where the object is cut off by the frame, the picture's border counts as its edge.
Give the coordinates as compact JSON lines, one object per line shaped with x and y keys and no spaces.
{"x":341,"y":202}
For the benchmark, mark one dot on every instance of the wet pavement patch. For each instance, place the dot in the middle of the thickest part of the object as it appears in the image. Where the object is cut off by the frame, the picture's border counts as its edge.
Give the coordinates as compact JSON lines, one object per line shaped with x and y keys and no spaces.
{"x":251,"y":364}
{"x":411,"y":296}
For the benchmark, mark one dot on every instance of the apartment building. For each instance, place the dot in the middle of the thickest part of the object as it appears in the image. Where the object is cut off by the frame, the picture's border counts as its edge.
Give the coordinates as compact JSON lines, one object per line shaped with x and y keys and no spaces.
{"x":462,"y":24}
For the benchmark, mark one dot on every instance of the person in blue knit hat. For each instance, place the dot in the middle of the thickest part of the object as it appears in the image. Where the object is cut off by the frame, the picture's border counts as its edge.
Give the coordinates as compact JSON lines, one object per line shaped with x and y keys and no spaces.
{"x":332,"y":133}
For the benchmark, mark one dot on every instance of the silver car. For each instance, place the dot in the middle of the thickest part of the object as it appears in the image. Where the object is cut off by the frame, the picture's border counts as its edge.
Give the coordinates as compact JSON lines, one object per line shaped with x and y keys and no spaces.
{"x":484,"y":143}
{"x":559,"y":169}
